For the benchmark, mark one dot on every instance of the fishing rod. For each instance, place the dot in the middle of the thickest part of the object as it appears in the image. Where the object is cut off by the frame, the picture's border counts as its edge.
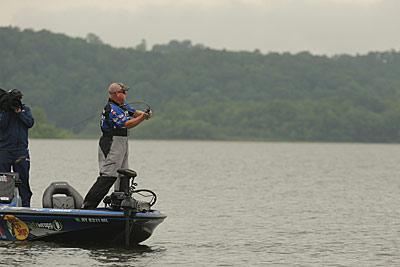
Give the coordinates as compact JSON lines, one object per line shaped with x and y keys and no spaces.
{"x":147,"y":111}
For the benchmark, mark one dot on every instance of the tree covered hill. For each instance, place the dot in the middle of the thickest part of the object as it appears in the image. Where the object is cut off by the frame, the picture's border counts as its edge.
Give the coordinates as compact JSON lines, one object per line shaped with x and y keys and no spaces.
{"x":198,"y":92}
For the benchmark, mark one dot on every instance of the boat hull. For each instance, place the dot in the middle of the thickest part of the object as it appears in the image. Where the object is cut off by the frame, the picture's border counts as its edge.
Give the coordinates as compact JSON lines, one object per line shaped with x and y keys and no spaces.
{"x":98,"y":226}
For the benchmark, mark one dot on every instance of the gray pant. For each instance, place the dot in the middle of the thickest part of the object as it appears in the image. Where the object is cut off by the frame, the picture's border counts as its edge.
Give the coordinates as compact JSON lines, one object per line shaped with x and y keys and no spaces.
{"x":113,"y":155}
{"x":115,"y":159}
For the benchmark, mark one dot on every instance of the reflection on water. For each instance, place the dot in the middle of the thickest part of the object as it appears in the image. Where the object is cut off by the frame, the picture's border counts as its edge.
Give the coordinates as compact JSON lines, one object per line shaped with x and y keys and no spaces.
{"x":58,"y":254}
{"x":238,"y":204}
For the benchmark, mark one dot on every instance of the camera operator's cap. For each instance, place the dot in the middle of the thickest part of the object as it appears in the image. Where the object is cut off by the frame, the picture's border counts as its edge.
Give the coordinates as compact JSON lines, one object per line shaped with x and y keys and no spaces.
{"x":115,"y":87}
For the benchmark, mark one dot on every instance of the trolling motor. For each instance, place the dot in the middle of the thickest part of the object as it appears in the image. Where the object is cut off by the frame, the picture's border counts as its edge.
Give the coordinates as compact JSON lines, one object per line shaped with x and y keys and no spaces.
{"x":114,"y":201}
{"x":128,"y":197}
{"x":125,"y":200}
{"x":128,"y":203}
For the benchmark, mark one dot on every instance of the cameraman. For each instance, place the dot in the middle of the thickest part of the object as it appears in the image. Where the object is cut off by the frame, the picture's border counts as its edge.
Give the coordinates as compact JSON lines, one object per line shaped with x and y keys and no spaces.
{"x":15,"y":120}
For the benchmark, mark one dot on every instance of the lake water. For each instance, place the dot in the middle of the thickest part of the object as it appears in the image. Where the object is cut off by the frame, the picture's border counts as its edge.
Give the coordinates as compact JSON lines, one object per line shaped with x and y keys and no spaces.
{"x":238,"y":204}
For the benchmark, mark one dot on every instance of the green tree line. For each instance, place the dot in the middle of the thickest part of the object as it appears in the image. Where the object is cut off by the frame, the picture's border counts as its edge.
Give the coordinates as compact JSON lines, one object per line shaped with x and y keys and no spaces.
{"x":200,"y":93}
{"x":41,"y":129}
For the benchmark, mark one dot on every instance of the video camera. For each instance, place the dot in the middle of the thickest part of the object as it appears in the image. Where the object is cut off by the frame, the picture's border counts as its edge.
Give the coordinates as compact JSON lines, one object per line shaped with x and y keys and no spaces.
{"x":10,"y":100}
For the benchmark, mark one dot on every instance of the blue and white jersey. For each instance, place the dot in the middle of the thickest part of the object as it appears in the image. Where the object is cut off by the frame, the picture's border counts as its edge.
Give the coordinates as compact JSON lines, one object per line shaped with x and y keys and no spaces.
{"x":115,"y":116}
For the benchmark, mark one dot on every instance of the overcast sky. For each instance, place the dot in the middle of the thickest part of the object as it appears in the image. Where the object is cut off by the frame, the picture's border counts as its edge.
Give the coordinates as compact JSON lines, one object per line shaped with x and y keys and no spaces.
{"x":319,"y":26}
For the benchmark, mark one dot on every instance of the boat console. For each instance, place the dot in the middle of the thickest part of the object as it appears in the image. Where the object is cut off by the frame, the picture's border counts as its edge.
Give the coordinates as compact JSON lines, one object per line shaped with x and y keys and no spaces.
{"x":9,"y":194}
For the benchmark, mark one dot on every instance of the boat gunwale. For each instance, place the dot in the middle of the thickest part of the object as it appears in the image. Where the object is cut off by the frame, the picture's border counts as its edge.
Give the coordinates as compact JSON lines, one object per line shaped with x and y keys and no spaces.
{"x":152,"y":214}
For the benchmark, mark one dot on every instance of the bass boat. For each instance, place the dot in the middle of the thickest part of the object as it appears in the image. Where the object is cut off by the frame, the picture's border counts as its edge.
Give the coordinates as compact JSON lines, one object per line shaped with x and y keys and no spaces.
{"x":127,"y":218}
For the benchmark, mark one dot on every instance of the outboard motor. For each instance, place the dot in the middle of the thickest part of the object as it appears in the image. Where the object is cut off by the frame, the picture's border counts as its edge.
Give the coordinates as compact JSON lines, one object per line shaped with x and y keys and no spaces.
{"x":71,"y":199}
{"x":9,"y":194}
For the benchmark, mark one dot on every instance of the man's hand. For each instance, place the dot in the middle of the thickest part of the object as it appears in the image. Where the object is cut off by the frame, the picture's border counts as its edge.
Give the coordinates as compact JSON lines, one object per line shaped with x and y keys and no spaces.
{"x":17,"y":110}
{"x":147,"y":116}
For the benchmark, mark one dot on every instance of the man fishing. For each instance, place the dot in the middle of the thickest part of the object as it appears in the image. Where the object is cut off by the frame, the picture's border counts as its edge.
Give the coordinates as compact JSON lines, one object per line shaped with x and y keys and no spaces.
{"x":113,"y":144}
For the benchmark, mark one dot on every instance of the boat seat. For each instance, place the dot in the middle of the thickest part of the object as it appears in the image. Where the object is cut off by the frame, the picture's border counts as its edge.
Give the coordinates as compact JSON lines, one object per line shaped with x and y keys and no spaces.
{"x":71,"y":199}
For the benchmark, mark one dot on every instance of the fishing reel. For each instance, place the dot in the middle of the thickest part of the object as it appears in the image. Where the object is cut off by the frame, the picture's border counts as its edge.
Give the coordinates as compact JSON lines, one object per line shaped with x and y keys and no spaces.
{"x":146,"y":110}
